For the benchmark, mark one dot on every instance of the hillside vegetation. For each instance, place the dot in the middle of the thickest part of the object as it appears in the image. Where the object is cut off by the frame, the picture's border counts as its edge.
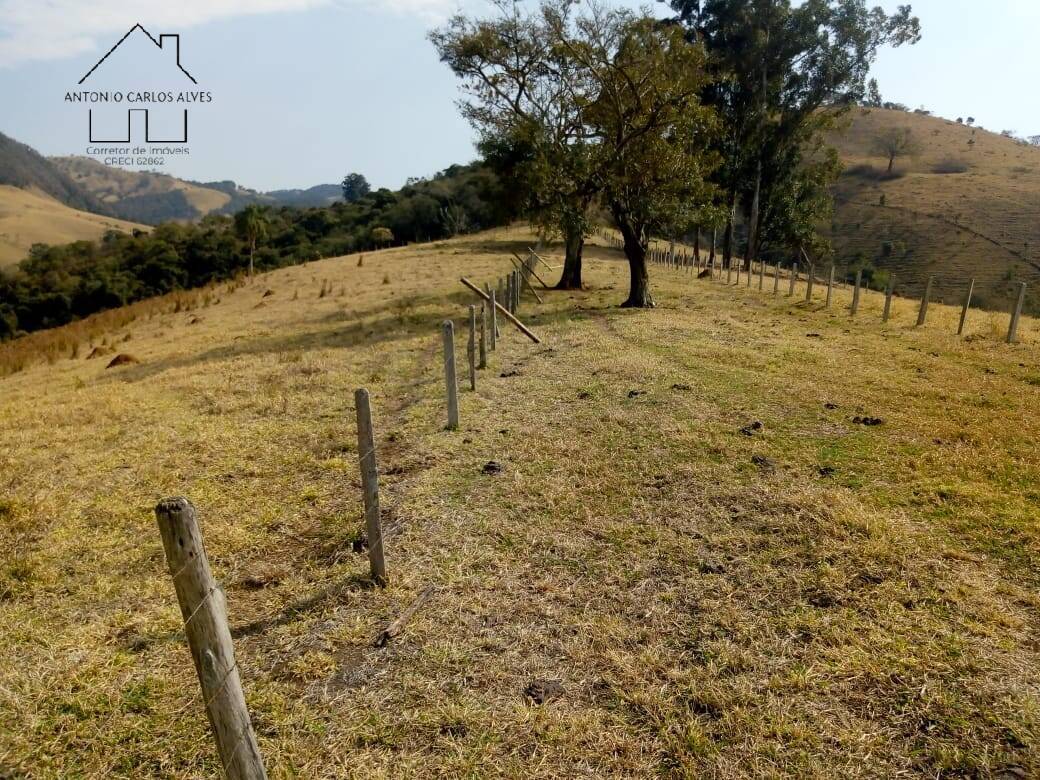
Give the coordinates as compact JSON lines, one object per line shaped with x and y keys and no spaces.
{"x":28,"y":217}
{"x":805,"y":597}
{"x":149,"y":197}
{"x":956,"y":210}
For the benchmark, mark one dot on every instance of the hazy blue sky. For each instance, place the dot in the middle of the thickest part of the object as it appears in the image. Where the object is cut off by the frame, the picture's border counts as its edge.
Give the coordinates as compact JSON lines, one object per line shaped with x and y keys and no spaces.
{"x":307,"y":90}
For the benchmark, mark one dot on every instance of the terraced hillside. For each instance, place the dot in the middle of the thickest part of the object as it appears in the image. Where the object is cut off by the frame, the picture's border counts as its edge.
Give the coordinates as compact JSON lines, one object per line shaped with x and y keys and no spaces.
{"x":736,"y":536}
{"x":957,"y":209}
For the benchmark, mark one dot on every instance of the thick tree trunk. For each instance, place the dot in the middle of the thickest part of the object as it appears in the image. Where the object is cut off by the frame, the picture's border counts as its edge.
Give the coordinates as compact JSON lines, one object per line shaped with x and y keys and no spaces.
{"x":714,"y":243}
{"x":639,"y":280}
{"x":571,"y":277}
{"x":752,"y":244}
{"x":727,"y":239}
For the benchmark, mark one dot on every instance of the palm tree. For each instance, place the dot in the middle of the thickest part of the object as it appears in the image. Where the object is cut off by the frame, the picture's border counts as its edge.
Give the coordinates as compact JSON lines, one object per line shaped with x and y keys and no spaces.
{"x":251,"y":226}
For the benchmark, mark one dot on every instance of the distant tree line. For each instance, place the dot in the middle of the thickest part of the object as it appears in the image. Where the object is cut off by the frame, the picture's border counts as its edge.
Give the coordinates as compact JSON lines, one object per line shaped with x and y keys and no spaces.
{"x":58,"y":284}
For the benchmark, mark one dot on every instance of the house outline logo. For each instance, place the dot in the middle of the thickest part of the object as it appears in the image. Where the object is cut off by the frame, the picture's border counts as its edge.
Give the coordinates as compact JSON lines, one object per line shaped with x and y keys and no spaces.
{"x":176,"y":39}
{"x":170,"y":44}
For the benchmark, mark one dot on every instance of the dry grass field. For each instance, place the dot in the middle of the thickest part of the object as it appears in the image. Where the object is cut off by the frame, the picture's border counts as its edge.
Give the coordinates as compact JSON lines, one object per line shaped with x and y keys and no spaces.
{"x":27,"y":218}
{"x":807,"y":598}
{"x":967,"y":205}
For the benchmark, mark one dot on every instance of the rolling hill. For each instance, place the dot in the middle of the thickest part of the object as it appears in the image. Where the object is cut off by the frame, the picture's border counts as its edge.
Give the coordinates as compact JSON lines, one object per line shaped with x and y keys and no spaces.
{"x":28,"y":216}
{"x":149,"y":197}
{"x":967,"y":205}
{"x":23,"y":167}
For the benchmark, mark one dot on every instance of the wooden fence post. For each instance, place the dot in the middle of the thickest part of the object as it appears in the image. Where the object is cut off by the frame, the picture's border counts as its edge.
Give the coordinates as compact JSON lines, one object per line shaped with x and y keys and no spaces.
{"x":830,"y":286}
{"x":967,"y":305}
{"x":370,"y":485}
{"x":855,"y":293}
{"x":889,"y":289}
{"x":923,"y":313}
{"x":483,"y":337}
{"x":450,"y":382}
{"x":1016,"y":314}
{"x":494,"y":322}
{"x":471,"y":347}
{"x":794,"y":278}
{"x":729,"y":272}
{"x":204,"y":612}
{"x":810,"y":278}
{"x":776,"y":278}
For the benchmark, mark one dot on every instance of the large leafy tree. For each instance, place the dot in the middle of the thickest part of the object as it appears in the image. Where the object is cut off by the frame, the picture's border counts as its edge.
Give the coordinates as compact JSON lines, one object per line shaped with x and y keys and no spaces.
{"x":654,"y":134}
{"x":782,"y":74}
{"x":355,"y":186}
{"x":585,"y":105}
{"x":524,"y":97}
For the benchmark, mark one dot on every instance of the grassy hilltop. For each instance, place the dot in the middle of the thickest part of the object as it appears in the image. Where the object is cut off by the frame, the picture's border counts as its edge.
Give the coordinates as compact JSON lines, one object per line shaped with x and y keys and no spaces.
{"x":809,"y":598}
{"x":956,"y":209}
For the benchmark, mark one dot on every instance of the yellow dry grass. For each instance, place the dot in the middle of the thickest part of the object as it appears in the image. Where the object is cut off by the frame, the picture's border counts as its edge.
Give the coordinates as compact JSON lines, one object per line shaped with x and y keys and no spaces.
{"x":818,"y":599}
{"x":983,"y":222}
{"x":28,"y":218}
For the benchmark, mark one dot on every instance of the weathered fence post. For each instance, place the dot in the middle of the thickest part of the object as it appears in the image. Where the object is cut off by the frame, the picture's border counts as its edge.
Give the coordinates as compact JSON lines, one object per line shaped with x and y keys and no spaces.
{"x":776,"y":278}
{"x":1016,"y":314}
{"x":494,"y":322}
{"x":204,"y":612}
{"x":483,"y":337}
{"x":856,"y":292}
{"x":967,"y":305}
{"x":794,"y":278}
{"x":761,"y":274}
{"x":370,"y":485}
{"x":450,"y":382}
{"x":889,"y":289}
{"x":471,"y":347}
{"x":923,"y":313}
{"x":830,"y":286}
{"x":810,"y":278}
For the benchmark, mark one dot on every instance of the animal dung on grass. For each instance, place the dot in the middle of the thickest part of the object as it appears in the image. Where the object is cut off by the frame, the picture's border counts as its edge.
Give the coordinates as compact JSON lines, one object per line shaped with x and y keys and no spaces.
{"x":122,"y":359}
{"x":542,"y":691}
{"x":868,"y":421}
{"x":492,"y":467}
{"x":752,"y":428}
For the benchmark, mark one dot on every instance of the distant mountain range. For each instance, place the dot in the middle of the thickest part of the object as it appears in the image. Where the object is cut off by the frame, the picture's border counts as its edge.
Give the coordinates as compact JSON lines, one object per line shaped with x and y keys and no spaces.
{"x":138,"y":196}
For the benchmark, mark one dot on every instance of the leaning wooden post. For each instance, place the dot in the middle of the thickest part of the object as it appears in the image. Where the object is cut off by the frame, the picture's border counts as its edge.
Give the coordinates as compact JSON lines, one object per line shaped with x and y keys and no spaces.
{"x":923,"y":313}
{"x":889,"y":289}
{"x":204,"y":611}
{"x":483,"y":337}
{"x":967,"y":305}
{"x":450,"y":382}
{"x":794,"y":278}
{"x":855,"y":293}
{"x":471,"y":347}
{"x":1016,"y":314}
{"x":494,"y":322}
{"x":830,"y":286}
{"x":370,"y":485}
